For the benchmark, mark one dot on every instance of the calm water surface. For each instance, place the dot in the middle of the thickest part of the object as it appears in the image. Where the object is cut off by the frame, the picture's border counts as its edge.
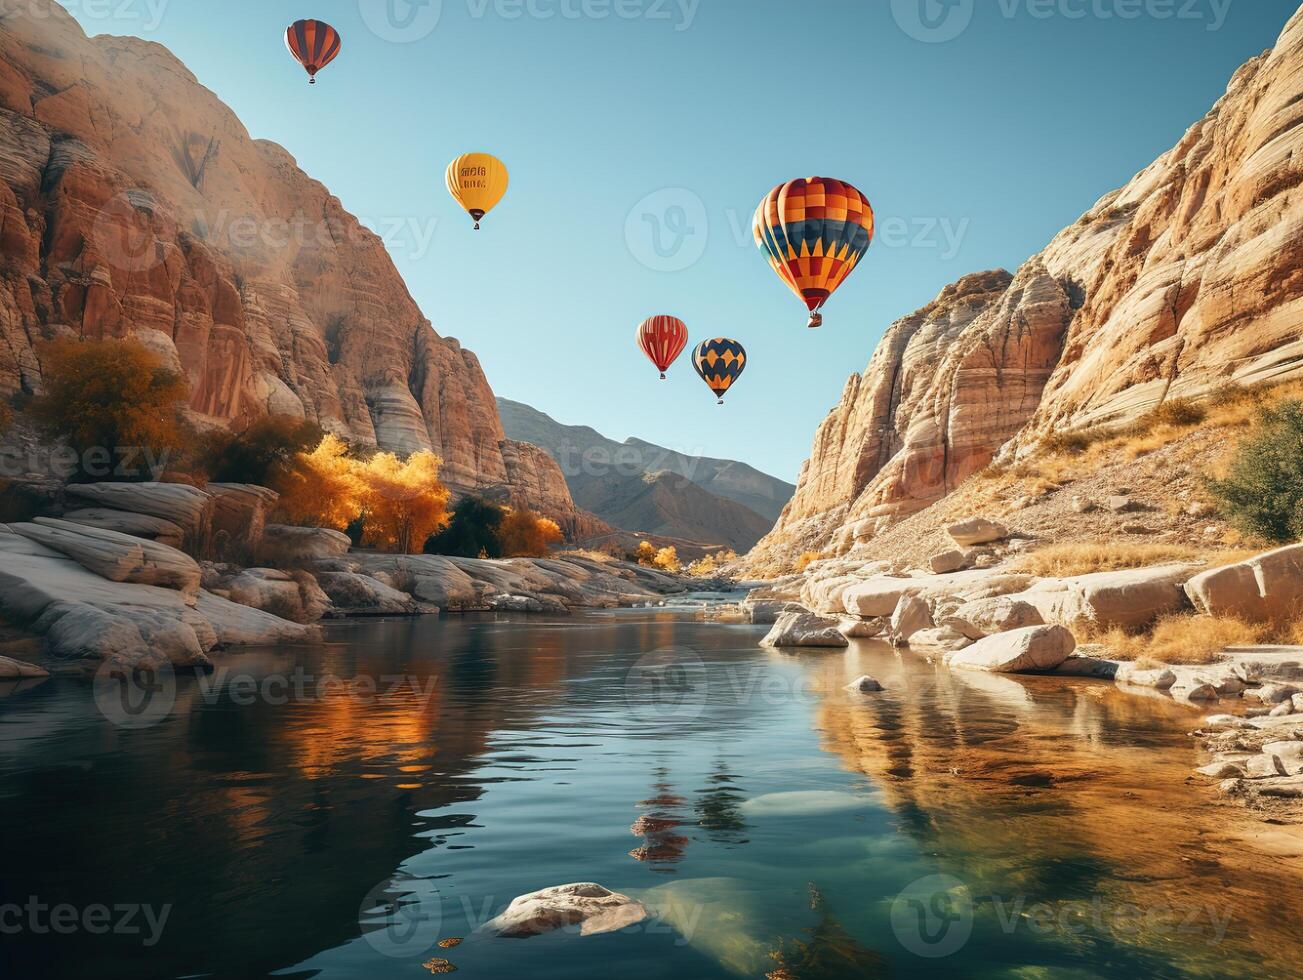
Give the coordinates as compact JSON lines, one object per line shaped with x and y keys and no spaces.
{"x":956,"y":825}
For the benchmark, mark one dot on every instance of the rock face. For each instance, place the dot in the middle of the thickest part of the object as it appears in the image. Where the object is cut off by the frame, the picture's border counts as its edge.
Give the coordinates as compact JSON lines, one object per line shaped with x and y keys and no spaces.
{"x":1181,"y":282}
{"x":134,"y":203}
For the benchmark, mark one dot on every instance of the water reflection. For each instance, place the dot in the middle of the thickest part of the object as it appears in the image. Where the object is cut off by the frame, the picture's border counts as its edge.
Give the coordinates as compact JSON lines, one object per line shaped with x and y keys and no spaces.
{"x":779,"y":822}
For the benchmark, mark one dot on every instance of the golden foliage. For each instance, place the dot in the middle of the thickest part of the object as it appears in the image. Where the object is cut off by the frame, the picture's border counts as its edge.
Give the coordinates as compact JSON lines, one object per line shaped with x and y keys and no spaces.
{"x":646,"y":554}
{"x":807,"y":559}
{"x":403,"y":502}
{"x":400,"y":503}
{"x":708,"y":566}
{"x":525,"y":534}
{"x":109,"y":397}
{"x":321,"y":489}
{"x":667,"y":560}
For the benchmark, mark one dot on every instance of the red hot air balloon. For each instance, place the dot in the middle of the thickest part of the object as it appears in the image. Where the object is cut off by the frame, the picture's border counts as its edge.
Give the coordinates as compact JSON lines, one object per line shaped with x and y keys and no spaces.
{"x":314,"y":43}
{"x":662,"y":339}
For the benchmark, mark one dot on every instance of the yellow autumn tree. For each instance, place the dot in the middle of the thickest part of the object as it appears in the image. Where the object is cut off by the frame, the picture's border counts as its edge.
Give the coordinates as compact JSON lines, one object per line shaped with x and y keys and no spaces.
{"x":646,"y":554}
{"x":524,"y":534}
{"x":403,"y":502}
{"x":321,"y":488}
{"x":667,"y":560}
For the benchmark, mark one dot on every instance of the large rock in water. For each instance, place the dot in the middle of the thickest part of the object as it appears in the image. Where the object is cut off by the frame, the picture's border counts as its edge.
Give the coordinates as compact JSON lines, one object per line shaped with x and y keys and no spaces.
{"x":354,"y":594}
{"x":805,"y":629}
{"x":1182,"y":281}
{"x":1036,"y":648}
{"x":590,"y":907}
{"x":127,"y":191}
{"x":1265,"y":588}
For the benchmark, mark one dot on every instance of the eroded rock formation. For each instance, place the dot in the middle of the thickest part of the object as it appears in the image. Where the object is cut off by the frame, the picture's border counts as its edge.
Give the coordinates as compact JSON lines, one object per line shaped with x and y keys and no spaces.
{"x":134,"y":202}
{"x":1187,"y":279}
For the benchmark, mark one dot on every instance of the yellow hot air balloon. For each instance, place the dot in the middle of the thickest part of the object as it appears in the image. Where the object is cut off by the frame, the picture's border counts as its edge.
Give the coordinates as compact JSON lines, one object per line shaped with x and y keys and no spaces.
{"x":477,"y":181}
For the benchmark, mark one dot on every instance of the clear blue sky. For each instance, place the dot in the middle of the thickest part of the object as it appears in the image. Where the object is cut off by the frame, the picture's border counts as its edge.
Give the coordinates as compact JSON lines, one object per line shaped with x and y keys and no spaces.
{"x":975,"y":151}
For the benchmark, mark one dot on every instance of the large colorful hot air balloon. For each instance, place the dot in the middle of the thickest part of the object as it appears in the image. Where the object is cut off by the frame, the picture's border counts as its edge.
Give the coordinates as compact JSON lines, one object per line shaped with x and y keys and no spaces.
{"x":814,"y":232}
{"x":720,"y":362}
{"x":477,"y":181}
{"x":662,"y":339}
{"x":314,"y":43}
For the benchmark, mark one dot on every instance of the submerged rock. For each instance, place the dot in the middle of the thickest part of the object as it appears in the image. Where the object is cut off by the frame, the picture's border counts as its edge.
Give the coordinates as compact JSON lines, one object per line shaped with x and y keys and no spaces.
{"x":588,"y":905}
{"x":864,"y":685}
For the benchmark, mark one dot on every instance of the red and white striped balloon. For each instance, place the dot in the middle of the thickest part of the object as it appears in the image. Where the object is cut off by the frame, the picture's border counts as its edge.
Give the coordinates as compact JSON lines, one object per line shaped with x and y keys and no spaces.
{"x":663,"y":339}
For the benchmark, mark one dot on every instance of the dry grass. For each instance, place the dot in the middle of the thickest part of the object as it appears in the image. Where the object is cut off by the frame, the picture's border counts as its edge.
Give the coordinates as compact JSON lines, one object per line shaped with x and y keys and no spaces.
{"x":591,"y":554}
{"x":1191,"y":639}
{"x":1084,"y":557}
{"x":1230,"y":407}
{"x":807,"y":559}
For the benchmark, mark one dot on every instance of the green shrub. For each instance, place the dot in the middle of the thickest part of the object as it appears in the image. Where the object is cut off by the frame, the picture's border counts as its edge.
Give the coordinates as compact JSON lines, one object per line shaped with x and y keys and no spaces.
{"x":473,"y":531}
{"x":1263,"y":492}
{"x":261,"y":453}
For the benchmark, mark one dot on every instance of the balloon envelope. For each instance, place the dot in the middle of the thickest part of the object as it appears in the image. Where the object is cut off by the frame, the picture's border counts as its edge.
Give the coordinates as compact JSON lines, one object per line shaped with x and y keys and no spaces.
{"x":477,"y":181}
{"x":662,"y":339}
{"x":314,"y":43}
{"x":720,"y":362}
{"x":814,"y":231}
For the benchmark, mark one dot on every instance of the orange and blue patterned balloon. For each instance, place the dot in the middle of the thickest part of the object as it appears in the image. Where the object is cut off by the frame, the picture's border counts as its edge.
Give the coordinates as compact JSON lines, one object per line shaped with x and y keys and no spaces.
{"x":814,"y":231}
{"x":314,"y":44}
{"x":720,"y":362}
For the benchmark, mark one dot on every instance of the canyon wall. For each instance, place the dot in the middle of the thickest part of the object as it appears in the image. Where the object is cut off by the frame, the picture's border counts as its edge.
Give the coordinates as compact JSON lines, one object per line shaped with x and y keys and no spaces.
{"x":1187,"y":279}
{"x":133,"y":202}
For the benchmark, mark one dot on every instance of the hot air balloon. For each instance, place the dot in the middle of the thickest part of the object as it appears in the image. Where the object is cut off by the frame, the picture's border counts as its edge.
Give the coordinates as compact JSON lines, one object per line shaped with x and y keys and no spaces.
{"x":814,"y":232}
{"x":314,"y":43}
{"x":662,"y":339}
{"x":477,"y":181}
{"x":720,"y":362}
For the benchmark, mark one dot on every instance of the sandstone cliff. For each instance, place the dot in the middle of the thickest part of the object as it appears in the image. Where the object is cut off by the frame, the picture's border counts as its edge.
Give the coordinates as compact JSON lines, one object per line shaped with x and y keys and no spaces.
{"x":1187,"y":279}
{"x":134,"y":202}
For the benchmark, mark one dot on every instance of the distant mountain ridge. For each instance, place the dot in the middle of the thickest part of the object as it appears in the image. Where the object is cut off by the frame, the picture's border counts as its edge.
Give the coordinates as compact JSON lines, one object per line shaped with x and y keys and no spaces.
{"x":640,"y":486}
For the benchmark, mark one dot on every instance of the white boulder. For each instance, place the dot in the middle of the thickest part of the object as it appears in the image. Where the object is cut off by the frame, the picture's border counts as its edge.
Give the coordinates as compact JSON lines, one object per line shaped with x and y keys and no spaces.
{"x":805,"y":629}
{"x":977,"y":530}
{"x":1036,"y":648}
{"x":1266,"y":587}
{"x":589,"y":906}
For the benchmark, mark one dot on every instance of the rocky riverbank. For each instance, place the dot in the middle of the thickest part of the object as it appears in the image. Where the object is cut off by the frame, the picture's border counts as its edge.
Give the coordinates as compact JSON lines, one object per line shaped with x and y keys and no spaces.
{"x":971,"y":609}
{"x":107,"y":580}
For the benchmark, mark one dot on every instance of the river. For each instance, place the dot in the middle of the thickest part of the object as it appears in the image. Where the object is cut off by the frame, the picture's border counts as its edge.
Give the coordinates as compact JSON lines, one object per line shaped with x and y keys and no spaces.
{"x":334,"y":812}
